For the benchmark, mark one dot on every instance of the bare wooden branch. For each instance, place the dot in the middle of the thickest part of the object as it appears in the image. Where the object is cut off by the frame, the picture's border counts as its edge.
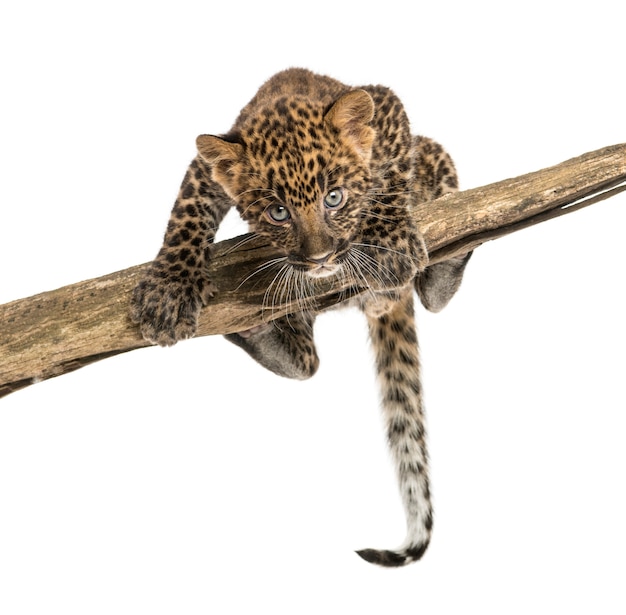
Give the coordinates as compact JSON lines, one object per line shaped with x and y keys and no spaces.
{"x":58,"y":331}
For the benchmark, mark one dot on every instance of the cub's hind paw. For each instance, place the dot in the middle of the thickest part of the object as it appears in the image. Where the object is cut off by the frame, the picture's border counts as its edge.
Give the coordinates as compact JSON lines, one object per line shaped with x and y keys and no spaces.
{"x":437,"y":284}
{"x":167,"y":310}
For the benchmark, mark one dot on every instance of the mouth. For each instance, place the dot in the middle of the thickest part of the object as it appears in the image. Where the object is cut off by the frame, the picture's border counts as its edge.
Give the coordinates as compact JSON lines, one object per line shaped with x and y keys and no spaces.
{"x":323,"y":266}
{"x":317,"y":268}
{"x":323,"y":270}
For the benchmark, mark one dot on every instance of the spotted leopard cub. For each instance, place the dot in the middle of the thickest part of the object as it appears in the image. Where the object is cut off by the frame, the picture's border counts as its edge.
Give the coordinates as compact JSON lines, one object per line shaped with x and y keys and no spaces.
{"x":329,"y":175}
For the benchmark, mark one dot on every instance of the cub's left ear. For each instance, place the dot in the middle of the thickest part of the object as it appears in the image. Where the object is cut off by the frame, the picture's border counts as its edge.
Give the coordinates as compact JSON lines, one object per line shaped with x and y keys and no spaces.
{"x":223,"y":157}
{"x":351,"y":115}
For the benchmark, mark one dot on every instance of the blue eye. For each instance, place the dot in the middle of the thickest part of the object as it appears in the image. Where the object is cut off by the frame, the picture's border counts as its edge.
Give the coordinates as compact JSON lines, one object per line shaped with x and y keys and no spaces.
{"x":278,"y":213}
{"x":334,"y":199}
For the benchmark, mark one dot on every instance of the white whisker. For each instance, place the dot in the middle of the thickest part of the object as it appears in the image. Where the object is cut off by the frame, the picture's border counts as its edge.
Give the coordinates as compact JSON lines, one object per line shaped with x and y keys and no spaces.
{"x":276,"y":284}
{"x":381,"y":275}
{"x":356,"y":274}
{"x":241,"y":243}
{"x":261,"y":268}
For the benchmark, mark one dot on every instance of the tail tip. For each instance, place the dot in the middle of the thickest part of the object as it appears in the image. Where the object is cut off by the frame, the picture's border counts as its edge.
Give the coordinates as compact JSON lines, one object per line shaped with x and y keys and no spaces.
{"x":393,"y":559}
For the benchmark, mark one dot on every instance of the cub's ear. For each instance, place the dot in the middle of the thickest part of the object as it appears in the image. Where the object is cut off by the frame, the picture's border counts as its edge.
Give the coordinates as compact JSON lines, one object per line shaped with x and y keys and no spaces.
{"x":216,"y":150}
{"x":351,"y":115}
{"x":223,"y":157}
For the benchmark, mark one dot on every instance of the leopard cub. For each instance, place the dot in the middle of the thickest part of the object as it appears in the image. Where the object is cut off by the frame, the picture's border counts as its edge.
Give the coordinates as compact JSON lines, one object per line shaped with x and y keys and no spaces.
{"x":329,"y":174}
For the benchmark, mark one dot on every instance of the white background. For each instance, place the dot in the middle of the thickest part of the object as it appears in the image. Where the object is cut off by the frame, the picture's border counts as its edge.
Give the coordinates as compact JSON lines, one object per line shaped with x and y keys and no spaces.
{"x":189,"y":480}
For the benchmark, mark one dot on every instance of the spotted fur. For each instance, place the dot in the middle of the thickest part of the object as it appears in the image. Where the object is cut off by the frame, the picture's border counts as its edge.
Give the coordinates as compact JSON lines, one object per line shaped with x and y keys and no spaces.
{"x":329,"y":175}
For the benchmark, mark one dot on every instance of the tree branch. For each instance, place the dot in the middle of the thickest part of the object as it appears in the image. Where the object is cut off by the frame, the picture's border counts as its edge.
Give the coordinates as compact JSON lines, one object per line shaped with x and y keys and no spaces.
{"x":56,"y":332}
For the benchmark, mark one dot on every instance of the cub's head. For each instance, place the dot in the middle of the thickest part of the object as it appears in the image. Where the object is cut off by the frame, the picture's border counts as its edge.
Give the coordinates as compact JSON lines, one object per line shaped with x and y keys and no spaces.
{"x":299,"y":175}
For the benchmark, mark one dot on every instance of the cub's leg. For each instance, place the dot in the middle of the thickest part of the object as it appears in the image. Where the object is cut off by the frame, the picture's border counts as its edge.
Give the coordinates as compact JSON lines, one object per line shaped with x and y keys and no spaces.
{"x":435,"y":175}
{"x":394,"y":340}
{"x":284,"y":346}
{"x":167,"y":300}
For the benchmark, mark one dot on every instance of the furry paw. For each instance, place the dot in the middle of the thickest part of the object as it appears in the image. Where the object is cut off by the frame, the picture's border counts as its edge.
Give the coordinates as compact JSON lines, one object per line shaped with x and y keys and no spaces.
{"x":390,"y":264}
{"x":437,"y":284}
{"x":166,"y":308}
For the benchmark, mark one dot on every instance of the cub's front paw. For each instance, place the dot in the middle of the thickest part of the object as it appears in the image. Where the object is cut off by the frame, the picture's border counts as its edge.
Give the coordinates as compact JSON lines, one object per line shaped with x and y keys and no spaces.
{"x":166,"y":308}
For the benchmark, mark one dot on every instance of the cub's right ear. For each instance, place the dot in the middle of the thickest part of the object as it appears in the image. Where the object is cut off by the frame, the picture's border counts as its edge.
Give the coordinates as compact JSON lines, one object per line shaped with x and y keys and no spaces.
{"x":217,"y":150}
{"x":223,"y":157}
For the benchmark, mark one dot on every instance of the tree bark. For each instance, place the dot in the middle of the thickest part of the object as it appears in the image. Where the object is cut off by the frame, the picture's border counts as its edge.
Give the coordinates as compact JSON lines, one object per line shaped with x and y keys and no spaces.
{"x":56,"y":332}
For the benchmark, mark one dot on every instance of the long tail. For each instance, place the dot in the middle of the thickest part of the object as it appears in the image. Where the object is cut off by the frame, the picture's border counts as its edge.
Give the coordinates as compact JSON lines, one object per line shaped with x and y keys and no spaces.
{"x":394,"y":340}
